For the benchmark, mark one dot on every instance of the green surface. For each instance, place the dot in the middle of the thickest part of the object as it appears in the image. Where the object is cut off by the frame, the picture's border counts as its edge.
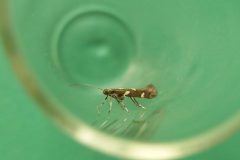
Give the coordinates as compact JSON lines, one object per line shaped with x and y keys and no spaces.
{"x":25,"y":131}
{"x":27,"y":134}
{"x":188,"y":49}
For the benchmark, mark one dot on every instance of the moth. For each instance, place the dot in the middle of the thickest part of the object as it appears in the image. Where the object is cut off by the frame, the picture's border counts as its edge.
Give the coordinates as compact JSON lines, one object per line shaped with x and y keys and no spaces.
{"x":119,"y":94}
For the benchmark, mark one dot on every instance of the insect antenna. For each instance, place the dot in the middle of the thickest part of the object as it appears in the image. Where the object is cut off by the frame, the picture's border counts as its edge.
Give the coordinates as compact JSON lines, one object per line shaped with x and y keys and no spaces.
{"x":85,"y":86}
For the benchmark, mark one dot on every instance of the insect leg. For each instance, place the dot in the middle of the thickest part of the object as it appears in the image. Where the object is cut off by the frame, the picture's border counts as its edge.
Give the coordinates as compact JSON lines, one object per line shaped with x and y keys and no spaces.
{"x":100,"y":106}
{"x":106,"y":97}
{"x":133,"y":100}
{"x":136,"y":102}
{"x":110,"y":105}
{"x":121,"y":104}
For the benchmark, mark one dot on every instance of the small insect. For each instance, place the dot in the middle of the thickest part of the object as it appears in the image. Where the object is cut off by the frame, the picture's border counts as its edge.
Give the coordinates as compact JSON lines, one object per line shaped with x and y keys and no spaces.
{"x":119,"y":94}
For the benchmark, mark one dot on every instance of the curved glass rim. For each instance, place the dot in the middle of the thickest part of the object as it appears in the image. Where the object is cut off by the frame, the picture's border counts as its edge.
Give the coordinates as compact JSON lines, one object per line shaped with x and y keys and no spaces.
{"x":94,"y":138}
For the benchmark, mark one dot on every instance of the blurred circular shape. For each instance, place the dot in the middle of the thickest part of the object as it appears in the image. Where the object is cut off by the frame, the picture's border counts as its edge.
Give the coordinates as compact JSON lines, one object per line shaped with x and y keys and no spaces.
{"x":92,"y":44}
{"x":190,"y":54}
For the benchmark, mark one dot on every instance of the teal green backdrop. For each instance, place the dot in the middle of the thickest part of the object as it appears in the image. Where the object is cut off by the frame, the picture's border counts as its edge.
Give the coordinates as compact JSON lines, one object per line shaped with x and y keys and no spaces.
{"x":27,"y":134}
{"x":188,"y":49}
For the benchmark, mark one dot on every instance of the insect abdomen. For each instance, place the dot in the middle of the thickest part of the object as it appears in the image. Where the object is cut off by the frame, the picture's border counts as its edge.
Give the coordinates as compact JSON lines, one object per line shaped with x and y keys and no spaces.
{"x":148,"y":92}
{"x":135,"y":93}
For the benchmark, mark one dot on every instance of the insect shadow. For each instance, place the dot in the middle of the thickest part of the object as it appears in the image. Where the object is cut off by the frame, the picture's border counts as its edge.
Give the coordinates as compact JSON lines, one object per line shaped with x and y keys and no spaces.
{"x":140,"y":124}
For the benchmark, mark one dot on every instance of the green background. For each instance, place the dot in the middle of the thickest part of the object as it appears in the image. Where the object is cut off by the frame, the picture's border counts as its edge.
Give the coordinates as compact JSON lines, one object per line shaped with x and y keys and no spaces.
{"x":27,"y":134}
